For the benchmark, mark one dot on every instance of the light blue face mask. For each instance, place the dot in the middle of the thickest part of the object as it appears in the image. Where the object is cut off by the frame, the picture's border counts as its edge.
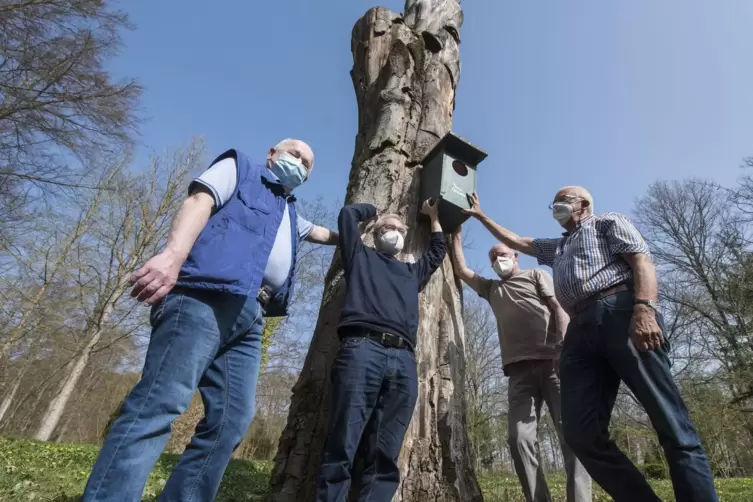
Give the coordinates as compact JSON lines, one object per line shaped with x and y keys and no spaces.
{"x":289,"y":170}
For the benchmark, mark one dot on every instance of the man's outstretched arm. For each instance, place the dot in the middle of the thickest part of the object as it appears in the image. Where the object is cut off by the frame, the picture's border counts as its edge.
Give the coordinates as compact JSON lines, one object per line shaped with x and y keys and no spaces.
{"x":433,"y":257}
{"x":323,"y":235}
{"x":510,"y":239}
{"x":464,"y":273}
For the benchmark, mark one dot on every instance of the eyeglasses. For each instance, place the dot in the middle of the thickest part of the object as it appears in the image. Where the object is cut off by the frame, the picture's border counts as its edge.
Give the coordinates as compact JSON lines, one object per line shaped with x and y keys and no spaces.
{"x":389,"y":228}
{"x":566,"y":198}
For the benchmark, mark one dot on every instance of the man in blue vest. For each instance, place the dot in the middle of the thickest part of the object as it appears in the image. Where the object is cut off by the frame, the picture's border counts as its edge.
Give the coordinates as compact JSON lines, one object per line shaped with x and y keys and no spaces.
{"x":228,"y":263}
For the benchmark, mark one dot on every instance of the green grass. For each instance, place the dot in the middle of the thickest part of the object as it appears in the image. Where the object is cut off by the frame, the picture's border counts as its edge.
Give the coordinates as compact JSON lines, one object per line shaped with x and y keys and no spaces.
{"x":507,"y":489}
{"x":36,"y":471}
{"x":33,"y":471}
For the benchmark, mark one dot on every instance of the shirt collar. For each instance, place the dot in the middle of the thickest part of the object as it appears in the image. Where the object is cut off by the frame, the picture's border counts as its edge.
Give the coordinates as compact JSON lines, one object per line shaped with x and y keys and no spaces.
{"x":269,"y":176}
{"x":578,"y":226}
{"x":273,"y":182}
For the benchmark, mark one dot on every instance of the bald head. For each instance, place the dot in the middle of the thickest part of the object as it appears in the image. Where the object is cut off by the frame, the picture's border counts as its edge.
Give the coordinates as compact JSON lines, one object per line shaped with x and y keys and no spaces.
{"x":572,"y":205}
{"x":294,"y":147}
{"x":500,"y":249}
{"x":575,"y":194}
{"x":501,"y":253}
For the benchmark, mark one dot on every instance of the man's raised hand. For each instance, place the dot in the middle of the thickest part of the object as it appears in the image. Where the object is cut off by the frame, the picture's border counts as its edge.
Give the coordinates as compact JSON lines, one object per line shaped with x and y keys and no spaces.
{"x":475,"y":209}
{"x":430,"y":208}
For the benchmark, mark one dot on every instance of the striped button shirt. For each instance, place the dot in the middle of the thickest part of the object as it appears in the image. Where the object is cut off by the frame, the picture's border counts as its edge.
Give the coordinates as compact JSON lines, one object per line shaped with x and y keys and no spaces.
{"x":588,"y":260}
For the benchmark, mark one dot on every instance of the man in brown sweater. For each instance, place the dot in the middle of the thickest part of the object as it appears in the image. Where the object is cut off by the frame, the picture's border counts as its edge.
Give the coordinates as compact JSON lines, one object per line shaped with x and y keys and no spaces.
{"x":531,"y":325}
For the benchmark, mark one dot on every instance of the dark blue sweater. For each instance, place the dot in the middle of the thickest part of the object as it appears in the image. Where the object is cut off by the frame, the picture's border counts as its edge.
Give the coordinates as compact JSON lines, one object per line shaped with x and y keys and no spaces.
{"x":381,"y":291}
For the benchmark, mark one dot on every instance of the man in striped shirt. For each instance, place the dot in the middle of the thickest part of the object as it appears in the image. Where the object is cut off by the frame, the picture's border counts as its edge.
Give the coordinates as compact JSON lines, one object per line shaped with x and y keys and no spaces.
{"x":605,"y":279}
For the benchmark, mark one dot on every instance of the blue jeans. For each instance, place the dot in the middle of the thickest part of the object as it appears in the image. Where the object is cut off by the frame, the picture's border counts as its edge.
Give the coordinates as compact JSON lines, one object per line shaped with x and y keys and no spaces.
{"x":374,"y":391}
{"x":597,"y":354}
{"x":200,"y":339}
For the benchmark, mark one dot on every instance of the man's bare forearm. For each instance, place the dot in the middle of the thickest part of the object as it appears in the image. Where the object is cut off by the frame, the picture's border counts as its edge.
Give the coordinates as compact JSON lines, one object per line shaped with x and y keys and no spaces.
{"x":333,"y":238}
{"x":562,"y":320}
{"x":644,"y":276}
{"x":458,"y":259}
{"x":460,"y":267}
{"x":322,"y":235}
{"x":507,"y":237}
{"x":188,"y":224}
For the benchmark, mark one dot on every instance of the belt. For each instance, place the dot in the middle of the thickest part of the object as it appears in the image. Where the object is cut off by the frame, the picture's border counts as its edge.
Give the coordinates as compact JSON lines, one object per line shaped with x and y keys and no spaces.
{"x":584,"y":304}
{"x":386,"y":339}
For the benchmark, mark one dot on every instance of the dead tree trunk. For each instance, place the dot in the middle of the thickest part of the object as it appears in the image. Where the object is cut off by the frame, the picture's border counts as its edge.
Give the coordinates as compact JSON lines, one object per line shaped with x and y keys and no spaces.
{"x":405,"y":73}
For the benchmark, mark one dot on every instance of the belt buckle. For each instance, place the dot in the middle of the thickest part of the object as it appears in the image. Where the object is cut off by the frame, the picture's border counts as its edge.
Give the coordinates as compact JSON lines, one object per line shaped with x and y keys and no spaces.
{"x":263,"y":296}
{"x":390,"y":340}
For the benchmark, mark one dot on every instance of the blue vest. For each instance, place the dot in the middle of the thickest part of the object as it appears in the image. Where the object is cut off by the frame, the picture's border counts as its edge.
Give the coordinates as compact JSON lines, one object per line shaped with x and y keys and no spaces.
{"x":232,"y":251}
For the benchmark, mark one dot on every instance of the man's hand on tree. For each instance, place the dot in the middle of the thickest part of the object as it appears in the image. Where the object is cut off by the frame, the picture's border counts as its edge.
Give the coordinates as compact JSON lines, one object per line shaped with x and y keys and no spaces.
{"x":155,"y":278}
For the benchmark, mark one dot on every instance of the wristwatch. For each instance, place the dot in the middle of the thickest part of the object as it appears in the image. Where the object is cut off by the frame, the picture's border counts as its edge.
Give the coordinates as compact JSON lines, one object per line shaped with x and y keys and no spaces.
{"x":649,"y":303}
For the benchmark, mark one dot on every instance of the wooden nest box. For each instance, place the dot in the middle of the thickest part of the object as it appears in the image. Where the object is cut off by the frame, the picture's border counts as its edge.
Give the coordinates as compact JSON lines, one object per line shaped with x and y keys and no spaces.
{"x":449,"y":177}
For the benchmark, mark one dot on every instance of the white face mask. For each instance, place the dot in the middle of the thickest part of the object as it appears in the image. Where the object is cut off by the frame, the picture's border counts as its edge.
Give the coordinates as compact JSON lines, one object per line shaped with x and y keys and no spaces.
{"x":390,"y":242}
{"x":562,"y":212}
{"x":503,"y":266}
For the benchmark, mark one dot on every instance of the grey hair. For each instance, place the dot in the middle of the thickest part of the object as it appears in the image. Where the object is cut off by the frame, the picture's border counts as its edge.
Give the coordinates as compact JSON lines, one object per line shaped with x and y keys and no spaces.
{"x":383,"y":219}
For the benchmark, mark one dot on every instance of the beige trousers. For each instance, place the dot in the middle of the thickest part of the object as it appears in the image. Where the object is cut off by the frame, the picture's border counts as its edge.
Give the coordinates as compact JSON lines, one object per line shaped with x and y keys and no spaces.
{"x":531,"y":384}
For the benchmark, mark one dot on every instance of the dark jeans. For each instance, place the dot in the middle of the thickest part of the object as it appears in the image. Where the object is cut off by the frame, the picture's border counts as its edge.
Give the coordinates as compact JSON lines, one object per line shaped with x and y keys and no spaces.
{"x":597,"y":354}
{"x":210,"y":341}
{"x":374,"y":389}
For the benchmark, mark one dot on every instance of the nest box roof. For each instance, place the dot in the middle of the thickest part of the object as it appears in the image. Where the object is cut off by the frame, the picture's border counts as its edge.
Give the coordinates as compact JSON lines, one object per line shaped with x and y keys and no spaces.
{"x":458,"y":148}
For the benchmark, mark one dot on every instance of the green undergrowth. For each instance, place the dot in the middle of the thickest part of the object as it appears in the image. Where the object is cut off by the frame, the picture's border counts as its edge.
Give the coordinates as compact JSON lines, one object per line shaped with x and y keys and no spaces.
{"x":34,"y":471}
{"x":507,"y":489}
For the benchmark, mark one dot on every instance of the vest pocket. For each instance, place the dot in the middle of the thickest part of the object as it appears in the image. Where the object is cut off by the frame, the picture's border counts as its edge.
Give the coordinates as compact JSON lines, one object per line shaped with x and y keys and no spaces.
{"x":228,"y":257}
{"x":251,"y":214}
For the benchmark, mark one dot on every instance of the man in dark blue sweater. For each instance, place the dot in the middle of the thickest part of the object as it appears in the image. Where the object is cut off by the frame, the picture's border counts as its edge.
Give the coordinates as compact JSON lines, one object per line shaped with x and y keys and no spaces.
{"x":374,"y":377}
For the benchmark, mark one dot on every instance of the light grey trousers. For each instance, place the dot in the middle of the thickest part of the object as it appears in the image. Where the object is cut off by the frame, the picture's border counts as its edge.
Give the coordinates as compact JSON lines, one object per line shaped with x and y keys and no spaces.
{"x":531,"y":384}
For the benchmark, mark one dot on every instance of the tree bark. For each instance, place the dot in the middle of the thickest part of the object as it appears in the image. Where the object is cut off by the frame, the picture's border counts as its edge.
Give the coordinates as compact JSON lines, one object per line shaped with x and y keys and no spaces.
{"x":405,"y":73}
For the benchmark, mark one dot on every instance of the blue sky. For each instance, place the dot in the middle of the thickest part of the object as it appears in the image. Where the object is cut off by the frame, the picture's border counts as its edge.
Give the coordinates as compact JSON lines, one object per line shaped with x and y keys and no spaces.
{"x":609,"y":95}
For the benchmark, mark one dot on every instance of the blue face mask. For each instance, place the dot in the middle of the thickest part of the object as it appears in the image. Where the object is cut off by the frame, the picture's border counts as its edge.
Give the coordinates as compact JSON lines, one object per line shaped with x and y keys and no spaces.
{"x":289,"y":170}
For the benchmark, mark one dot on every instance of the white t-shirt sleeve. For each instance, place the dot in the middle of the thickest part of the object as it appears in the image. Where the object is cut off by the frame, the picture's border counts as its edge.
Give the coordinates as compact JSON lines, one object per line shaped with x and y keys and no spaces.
{"x":221,"y":179}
